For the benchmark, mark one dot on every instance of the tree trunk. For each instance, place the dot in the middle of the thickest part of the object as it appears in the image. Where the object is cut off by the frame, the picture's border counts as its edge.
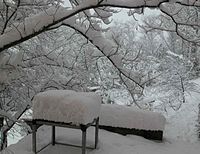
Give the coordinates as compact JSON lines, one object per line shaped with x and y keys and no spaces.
{"x":3,"y":141}
{"x":198,"y":125}
{"x":5,"y":128}
{"x":3,"y":136}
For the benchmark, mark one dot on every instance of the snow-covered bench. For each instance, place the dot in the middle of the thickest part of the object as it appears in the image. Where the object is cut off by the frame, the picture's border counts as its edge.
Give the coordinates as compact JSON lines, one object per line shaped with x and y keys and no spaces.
{"x":129,"y":120}
{"x":66,"y":108}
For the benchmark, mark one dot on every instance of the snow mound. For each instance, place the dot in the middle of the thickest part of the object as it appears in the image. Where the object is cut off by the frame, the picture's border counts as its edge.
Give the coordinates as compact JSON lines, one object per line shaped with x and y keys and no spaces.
{"x":66,"y":106}
{"x":129,"y":117}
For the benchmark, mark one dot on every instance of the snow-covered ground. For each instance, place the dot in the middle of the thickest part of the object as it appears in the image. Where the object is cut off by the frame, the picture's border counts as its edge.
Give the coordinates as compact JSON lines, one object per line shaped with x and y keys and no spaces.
{"x":110,"y":143}
{"x":180,"y":137}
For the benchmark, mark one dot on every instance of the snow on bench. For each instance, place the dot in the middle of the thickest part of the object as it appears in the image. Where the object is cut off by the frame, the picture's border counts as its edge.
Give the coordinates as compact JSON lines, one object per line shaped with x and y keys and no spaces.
{"x":129,"y":120}
{"x":66,"y":106}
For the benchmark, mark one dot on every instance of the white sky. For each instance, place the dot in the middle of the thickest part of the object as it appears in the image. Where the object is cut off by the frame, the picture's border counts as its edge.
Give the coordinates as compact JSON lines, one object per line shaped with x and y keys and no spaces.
{"x":122,"y":16}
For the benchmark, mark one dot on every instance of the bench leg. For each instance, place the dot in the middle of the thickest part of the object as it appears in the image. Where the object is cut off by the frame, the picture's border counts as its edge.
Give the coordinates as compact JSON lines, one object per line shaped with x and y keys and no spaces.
{"x":84,"y":132}
{"x":34,"y":138}
{"x":53,"y":134}
{"x":96,"y":132}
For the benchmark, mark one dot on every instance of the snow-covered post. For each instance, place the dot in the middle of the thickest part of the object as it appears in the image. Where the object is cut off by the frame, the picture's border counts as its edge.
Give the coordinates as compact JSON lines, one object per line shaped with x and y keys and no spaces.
{"x":1,"y":136}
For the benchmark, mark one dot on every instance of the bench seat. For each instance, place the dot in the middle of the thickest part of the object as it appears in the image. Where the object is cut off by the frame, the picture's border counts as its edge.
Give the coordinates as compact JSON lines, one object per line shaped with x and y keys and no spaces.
{"x":129,"y":120}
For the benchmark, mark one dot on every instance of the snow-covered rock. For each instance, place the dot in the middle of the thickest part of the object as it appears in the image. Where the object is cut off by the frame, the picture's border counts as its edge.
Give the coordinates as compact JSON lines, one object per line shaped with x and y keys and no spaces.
{"x":66,"y":106}
{"x":129,"y":117}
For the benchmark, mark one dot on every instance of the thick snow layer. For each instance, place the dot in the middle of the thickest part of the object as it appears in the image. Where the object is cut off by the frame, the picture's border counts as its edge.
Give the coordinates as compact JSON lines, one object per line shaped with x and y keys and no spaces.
{"x":109,"y":143}
{"x":129,"y":117}
{"x":66,"y":106}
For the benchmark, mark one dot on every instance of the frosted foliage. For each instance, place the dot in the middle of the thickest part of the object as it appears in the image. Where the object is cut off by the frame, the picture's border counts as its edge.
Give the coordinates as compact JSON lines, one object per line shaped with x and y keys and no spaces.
{"x":3,"y":76}
{"x":6,"y":61}
{"x":16,"y":59}
{"x":191,"y":2}
{"x":129,"y":117}
{"x":108,"y":47}
{"x":52,"y":16}
{"x":31,"y":25}
{"x":66,"y":106}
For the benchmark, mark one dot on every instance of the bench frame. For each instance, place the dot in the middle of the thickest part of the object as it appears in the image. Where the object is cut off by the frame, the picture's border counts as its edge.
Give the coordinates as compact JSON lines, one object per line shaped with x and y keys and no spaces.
{"x":36,"y":123}
{"x":148,"y":134}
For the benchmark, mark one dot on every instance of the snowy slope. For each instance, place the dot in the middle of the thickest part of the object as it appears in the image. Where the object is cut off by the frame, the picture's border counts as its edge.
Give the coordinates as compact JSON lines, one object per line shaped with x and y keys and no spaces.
{"x":110,"y":143}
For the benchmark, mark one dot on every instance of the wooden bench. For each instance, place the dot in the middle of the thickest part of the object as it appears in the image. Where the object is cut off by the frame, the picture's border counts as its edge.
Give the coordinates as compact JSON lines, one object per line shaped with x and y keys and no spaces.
{"x":129,"y":120}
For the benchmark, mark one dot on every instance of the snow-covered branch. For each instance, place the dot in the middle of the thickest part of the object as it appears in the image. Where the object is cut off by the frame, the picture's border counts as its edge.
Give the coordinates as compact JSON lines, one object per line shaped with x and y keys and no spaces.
{"x":35,"y":25}
{"x":108,"y":47}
